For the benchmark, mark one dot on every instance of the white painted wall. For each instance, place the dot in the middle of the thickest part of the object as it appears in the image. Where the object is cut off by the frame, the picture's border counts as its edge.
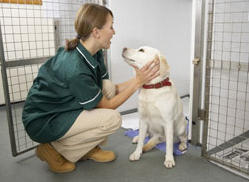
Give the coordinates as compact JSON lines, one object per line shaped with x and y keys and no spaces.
{"x":163,"y":24}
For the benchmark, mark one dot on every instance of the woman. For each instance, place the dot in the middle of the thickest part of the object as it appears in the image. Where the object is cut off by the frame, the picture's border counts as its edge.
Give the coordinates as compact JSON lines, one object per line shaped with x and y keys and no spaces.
{"x":70,"y":106}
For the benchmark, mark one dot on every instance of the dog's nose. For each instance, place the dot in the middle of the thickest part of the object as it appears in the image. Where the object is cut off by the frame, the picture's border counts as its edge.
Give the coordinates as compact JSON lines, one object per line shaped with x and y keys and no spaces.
{"x":124,"y":49}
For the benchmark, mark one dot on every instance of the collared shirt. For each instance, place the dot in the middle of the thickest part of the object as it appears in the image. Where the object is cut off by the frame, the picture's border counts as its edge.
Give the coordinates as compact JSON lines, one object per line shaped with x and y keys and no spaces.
{"x":66,"y":84}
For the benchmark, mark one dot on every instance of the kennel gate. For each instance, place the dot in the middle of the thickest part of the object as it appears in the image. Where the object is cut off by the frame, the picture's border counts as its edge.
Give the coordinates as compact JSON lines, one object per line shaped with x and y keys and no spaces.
{"x":29,"y":35}
{"x":223,"y":42}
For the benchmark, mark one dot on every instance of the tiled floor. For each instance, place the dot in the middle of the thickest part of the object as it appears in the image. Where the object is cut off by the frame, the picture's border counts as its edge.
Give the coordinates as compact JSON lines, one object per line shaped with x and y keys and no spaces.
{"x":190,"y":167}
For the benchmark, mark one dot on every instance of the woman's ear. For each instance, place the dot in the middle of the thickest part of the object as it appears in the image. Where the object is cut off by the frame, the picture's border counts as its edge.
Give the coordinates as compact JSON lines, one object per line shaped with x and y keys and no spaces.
{"x":95,"y":33}
{"x":164,"y":66}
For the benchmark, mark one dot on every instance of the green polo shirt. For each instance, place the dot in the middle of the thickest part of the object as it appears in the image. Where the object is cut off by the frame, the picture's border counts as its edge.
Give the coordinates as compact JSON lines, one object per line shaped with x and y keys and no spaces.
{"x":66,"y":84}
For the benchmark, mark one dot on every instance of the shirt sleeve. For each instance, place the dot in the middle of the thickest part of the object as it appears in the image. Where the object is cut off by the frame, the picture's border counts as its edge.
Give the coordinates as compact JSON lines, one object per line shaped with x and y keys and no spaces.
{"x":85,"y":90}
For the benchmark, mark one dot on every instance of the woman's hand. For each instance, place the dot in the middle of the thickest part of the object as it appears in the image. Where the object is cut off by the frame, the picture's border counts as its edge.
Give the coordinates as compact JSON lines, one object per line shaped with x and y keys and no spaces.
{"x":147,"y":72}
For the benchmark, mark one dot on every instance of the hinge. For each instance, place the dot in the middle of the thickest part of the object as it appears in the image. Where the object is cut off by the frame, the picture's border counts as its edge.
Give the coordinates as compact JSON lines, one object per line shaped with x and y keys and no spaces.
{"x":201,"y":114}
{"x":196,"y":61}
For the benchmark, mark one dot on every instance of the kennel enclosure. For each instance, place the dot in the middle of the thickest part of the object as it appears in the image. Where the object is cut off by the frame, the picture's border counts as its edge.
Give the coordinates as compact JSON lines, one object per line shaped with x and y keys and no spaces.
{"x":30,"y":33}
{"x":222,"y":57}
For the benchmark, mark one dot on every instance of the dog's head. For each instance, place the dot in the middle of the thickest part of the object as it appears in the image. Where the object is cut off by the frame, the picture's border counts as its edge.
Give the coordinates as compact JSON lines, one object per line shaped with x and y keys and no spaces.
{"x":141,"y":56}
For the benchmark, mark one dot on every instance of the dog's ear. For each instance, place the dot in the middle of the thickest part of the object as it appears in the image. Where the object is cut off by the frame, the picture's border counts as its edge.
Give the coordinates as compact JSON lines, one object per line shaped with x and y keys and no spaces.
{"x":164,"y":66}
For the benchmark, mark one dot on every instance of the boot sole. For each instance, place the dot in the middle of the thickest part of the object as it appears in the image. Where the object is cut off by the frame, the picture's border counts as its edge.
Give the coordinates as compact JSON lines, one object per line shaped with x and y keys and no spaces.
{"x":101,"y":161}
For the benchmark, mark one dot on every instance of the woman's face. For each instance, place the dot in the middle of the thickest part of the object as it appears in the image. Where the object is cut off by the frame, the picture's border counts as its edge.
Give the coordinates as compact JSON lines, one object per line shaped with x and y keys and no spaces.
{"x":106,"y":33}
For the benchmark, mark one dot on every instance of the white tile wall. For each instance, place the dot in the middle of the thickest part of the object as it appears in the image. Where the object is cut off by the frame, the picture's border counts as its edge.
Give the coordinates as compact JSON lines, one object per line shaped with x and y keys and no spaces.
{"x":26,"y":34}
{"x":28,"y":30}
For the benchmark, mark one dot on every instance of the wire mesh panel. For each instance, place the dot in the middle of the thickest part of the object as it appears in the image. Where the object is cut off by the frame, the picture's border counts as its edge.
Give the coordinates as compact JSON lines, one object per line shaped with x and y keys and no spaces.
{"x":227,"y":84}
{"x":31,"y":31}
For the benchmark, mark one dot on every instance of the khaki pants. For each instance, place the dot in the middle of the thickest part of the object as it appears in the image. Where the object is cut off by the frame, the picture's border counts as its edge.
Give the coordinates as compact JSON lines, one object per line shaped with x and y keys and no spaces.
{"x":90,"y":129}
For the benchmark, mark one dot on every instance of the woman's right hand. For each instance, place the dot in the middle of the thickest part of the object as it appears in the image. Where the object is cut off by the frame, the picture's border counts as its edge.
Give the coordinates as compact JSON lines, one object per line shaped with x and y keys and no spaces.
{"x":148,"y":72}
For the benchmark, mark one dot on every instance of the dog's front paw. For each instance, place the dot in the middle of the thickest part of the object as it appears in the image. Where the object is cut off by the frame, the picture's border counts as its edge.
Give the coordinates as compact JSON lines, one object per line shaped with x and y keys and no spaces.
{"x":135,"y":139}
{"x":169,"y":162}
{"x":135,"y":156}
{"x":183,"y":146}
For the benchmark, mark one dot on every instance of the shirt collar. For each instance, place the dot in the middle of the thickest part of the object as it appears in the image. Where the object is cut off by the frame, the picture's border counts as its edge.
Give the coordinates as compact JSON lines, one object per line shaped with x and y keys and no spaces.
{"x":87,"y":56}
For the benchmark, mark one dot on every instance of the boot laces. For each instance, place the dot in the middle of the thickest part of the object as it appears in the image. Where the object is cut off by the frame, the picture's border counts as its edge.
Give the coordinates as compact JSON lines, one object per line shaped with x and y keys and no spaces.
{"x":59,"y":158}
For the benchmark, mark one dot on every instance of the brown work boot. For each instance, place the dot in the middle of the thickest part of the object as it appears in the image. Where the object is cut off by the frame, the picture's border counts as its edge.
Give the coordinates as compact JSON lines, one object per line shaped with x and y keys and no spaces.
{"x":56,"y":162}
{"x":99,"y":155}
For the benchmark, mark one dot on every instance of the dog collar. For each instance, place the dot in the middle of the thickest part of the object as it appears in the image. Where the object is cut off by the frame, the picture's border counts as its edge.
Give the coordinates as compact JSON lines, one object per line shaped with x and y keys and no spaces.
{"x":160,"y":84}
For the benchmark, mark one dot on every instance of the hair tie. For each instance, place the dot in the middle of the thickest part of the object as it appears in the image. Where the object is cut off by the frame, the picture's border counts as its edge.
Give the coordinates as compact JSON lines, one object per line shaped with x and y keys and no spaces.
{"x":78,"y":36}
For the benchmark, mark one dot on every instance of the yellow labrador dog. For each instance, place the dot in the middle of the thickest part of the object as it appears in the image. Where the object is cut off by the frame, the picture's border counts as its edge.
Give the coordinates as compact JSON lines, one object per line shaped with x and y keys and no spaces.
{"x":160,"y":108}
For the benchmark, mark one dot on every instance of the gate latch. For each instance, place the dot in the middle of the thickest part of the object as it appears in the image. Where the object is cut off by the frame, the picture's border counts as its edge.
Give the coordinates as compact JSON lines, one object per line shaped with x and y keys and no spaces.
{"x":196,"y":61}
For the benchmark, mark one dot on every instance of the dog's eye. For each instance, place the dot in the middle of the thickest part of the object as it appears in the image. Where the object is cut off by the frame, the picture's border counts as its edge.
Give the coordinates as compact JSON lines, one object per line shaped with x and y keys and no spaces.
{"x":141,"y":50}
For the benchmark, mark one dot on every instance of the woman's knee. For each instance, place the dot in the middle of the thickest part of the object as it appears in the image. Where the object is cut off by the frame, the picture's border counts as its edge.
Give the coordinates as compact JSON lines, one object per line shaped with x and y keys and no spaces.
{"x":113,"y":122}
{"x":117,"y":119}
